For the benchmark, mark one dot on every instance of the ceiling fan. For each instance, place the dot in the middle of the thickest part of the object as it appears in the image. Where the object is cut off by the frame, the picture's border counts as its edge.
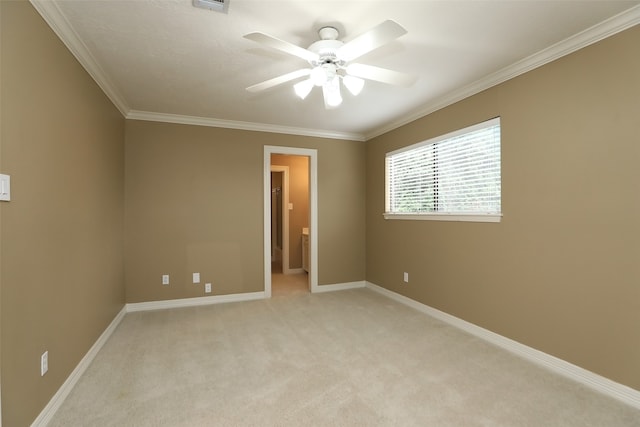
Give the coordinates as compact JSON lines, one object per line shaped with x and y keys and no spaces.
{"x":330,"y":62}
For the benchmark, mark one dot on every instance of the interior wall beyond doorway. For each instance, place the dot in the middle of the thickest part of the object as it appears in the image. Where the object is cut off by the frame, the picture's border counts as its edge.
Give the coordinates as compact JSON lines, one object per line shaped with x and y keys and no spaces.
{"x":298,"y":203}
{"x":277,"y":200}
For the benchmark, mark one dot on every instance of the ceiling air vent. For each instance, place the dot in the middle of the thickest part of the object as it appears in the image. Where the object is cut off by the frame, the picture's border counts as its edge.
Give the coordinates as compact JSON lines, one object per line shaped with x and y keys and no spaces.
{"x":216,"y":5}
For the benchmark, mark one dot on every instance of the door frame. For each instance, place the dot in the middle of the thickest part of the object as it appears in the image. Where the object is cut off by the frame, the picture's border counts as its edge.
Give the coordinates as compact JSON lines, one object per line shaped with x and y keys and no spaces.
{"x":312,"y":154}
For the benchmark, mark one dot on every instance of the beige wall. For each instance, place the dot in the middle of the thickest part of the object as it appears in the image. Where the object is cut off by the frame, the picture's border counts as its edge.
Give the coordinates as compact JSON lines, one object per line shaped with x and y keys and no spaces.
{"x":0,"y":219}
{"x":299,"y":197}
{"x":62,"y":233}
{"x":560,"y":273}
{"x":194,"y":204}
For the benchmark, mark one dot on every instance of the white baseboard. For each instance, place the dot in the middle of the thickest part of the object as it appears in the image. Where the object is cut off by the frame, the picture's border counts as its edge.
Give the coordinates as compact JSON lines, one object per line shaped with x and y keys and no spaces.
{"x":56,"y":401}
{"x":590,"y":379}
{"x":339,"y":287}
{"x":294,"y":271}
{"x":192,"y":302}
{"x":597,"y":382}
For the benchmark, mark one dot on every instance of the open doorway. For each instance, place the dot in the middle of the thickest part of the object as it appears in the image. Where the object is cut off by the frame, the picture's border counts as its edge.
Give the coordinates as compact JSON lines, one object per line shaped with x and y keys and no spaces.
{"x":289,"y":224}
{"x":290,"y":220}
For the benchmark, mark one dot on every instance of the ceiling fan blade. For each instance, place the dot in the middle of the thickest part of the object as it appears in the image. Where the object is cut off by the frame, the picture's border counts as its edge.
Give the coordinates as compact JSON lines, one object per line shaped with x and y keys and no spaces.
{"x":282,"y":45}
{"x":374,"y":38}
{"x":382,"y":75}
{"x":279,"y":80}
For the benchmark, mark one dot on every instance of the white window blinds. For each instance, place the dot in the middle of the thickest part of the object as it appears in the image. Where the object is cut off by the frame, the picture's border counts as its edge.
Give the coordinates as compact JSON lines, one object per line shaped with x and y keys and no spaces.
{"x":457,"y":173}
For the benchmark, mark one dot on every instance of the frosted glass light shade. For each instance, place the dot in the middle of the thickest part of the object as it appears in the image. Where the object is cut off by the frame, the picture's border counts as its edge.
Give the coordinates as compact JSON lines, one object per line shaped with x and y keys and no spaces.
{"x":303,"y":88}
{"x":331,"y":92}
{"x":318,"y":76}
{"x":353,"y":84}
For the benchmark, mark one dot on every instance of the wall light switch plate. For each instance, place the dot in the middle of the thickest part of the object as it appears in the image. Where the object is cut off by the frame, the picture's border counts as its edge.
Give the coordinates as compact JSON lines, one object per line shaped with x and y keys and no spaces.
{"x":5,"y":188}
{"x":207,"y":288}
{"x":165,"y":279}
{"x":196,"y":277}
{"x":406,"y":277}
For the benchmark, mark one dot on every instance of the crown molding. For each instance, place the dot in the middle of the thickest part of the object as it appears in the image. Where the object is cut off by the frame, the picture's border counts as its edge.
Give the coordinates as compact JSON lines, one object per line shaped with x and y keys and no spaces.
{"x":600,"y":31}
{"x":232,"y":124}
{"x":55,"y":18}
{"x":59,"y":24}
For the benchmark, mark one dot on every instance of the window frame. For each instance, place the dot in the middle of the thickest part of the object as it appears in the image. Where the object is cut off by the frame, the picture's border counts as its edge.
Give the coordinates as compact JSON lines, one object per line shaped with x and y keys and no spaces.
{"x":443,"y":216}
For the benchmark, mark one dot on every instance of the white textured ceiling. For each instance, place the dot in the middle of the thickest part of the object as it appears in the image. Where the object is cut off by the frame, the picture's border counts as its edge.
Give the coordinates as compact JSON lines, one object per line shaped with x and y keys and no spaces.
{"x":166,"y":60}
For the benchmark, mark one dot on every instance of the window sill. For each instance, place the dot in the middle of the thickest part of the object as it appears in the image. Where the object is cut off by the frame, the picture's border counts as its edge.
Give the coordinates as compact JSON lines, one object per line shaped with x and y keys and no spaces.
{"x":445,"y":217}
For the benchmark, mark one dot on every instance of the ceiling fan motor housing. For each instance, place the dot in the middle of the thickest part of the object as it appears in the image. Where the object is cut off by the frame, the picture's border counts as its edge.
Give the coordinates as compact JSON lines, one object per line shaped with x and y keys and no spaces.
{"x":327,"y":47}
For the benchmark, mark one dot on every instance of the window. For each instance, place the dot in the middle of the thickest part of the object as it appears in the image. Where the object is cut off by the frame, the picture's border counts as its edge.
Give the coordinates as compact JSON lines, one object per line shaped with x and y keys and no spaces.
{"x":451,"y":177}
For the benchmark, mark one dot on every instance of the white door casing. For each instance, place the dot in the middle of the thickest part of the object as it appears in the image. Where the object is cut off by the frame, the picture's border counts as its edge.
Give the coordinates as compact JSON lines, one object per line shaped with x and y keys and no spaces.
{"x":313,"y":212}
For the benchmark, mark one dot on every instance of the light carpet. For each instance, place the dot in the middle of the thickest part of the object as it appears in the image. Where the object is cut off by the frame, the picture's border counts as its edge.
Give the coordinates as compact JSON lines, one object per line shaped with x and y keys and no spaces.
{"x":349,"y":358}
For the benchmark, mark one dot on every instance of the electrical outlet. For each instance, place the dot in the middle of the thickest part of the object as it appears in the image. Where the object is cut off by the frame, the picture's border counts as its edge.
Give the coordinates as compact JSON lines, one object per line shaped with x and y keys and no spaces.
{"x":44,"y":363}
{"x":165,"y":279}
{"x":207,"y":288}
{"x":5,"y":187}
{"x":406,"y":277}
{"x":196,"y":277}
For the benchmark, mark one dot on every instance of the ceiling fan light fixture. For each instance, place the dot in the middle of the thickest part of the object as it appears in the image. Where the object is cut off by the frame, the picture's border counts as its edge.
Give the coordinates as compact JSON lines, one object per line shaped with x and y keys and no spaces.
{"x":330,"y":62}
{"x":353,"y":84}
{"x":303,"y":88}
{"x":323,"y":73}
{"x":318,"y":76}
{"x":331,"y":93}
